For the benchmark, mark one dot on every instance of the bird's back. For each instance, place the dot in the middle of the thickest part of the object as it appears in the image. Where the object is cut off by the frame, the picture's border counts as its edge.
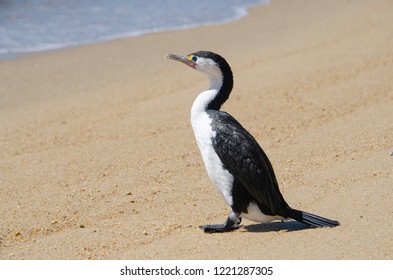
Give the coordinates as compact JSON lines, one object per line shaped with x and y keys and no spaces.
{"x":247,"y":162}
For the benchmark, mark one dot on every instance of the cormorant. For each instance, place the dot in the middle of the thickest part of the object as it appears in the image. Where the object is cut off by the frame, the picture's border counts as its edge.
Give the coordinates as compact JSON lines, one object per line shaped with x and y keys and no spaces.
{"x":235,"y":163}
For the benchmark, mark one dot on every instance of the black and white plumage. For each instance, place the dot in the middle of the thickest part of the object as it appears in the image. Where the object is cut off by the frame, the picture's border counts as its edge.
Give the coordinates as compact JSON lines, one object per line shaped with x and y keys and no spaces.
{"x":235,"y":163}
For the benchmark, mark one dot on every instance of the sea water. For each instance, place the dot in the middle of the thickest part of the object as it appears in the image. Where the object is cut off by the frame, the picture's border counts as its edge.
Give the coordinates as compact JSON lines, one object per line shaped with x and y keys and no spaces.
{"x":28,"y":26}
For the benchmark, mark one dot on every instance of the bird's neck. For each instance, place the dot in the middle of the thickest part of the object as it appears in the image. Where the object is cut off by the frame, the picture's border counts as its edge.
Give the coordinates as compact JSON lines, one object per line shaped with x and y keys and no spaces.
{"x":218,"y":92}
{"x":201,"y":103}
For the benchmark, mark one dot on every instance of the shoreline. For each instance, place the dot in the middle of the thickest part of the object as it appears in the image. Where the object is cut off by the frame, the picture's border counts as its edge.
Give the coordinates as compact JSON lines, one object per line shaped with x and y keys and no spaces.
{"x":99,"y":160}
{"x":241,"y":12}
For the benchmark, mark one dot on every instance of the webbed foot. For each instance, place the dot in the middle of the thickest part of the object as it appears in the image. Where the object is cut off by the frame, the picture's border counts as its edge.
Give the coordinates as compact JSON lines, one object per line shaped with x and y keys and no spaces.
{"x":218,"y":228}
{"x":232,"y":223}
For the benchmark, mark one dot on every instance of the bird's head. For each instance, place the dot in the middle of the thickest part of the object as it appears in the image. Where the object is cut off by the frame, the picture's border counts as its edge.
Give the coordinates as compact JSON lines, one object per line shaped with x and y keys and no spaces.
{"x":216,"y":69}
{"x":211,"y":64}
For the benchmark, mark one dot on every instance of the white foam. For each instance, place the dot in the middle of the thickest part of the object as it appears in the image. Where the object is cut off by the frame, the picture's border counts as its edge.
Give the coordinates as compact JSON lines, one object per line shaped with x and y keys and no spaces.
{"x":51,"y":28}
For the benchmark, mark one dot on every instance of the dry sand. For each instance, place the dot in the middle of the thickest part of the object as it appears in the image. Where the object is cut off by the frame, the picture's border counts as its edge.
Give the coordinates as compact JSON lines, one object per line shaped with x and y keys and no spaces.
{"x":98,"y":159}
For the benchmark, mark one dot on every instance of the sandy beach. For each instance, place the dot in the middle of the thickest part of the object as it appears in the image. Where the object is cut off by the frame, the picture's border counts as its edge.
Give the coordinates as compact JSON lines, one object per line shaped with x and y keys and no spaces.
{"x":98,"y":159}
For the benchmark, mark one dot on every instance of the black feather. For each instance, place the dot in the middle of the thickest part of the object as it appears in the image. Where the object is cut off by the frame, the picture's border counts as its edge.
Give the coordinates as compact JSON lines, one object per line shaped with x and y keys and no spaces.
{"x":255,"y":180}
{"x":246,"y":161}
{"x":311,"y":219}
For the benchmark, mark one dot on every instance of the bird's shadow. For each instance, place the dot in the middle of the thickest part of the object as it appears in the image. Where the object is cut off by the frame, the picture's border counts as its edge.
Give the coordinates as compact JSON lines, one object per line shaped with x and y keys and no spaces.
{"x":276,"y":226}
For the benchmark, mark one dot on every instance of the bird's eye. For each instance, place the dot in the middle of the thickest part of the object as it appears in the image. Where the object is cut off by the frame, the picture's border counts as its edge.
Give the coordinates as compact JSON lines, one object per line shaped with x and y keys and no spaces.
{"x":192,"y":58}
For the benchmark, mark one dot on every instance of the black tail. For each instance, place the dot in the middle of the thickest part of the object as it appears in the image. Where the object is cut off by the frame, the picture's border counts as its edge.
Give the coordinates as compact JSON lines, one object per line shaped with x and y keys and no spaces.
{"x":311,"y":219}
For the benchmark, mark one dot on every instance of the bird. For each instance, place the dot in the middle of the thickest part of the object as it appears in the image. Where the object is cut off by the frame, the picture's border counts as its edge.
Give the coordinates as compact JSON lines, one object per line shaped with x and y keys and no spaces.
{"x":235,"y":163}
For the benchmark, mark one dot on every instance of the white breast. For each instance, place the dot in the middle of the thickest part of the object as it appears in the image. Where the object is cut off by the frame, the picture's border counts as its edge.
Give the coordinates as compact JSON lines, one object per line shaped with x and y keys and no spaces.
{"x":200,"y":122}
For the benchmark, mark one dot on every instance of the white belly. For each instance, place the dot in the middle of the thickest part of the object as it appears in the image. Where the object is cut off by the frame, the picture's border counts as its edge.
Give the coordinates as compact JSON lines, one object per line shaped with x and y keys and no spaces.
{"x":220,"y":177}
{"x":255,"y":214}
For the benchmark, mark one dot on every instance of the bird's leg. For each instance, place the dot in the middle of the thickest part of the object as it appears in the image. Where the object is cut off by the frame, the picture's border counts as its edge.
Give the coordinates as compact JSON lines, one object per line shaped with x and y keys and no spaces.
{"x":232,"y":223}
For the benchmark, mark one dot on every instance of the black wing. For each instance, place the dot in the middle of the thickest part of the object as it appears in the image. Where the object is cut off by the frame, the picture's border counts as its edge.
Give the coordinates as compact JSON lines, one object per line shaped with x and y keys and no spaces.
{"x":247,"y":162}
